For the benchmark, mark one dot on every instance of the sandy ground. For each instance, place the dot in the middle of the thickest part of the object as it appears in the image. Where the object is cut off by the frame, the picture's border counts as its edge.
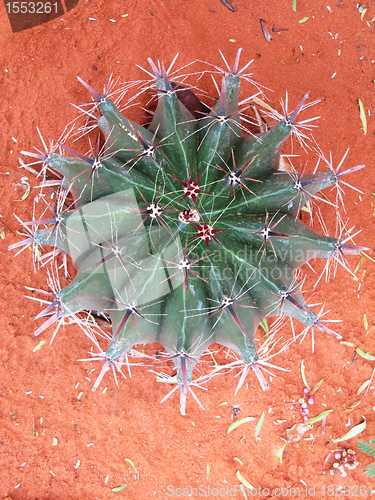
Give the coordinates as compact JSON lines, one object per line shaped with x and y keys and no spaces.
{"x":60,"y":440}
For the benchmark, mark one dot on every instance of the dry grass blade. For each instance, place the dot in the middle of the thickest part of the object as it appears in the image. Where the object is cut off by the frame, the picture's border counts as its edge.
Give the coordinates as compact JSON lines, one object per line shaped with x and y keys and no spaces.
{"x":358,"y":402}
{"x":353,"y":432}
{"x":239,"y":422}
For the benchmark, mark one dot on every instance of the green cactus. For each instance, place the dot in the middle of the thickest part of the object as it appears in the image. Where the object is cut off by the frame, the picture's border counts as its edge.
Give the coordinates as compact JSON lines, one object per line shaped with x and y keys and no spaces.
{"x":184,"y":232}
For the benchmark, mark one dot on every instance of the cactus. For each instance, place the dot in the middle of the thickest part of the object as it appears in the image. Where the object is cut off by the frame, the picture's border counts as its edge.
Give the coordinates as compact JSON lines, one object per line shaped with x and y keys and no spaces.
{"x":186,"y":231}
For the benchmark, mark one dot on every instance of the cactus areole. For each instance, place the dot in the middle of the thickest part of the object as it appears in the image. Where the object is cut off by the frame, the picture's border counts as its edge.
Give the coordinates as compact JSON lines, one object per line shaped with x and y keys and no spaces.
{"x":185,"y":231}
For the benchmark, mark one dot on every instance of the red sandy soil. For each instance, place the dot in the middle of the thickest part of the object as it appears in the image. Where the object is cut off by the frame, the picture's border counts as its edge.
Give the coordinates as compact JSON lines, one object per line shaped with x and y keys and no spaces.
{"x":330,"y":55}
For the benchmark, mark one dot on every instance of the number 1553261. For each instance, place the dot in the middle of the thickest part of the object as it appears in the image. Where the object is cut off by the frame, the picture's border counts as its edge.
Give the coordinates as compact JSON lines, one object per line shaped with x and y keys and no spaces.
{"x":32,"y":7}
{"x":345,"y":490}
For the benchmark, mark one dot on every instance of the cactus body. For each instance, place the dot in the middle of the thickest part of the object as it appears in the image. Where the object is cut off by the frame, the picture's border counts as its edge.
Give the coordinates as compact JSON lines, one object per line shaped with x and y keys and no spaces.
{"x":185,"y":232}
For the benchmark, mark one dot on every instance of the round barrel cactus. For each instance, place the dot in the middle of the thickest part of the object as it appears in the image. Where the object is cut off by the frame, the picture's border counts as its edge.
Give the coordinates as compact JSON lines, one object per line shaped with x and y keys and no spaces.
{"x":185,"y":231}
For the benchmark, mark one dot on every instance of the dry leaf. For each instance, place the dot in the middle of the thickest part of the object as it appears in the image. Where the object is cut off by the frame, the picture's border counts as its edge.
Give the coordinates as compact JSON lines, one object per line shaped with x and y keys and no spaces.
{"x":296,"y":432}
